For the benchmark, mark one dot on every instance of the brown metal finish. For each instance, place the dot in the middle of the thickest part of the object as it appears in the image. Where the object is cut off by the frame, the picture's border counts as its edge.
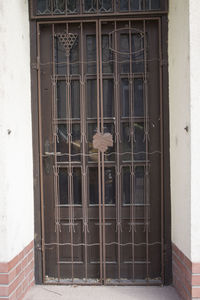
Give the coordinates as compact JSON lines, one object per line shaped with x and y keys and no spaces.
{"x":132,"y":138}
{"x":36,"y":159}
{"x":41,"y":151}
{"x":84,"y":175}
{"x":102,"y":157}
{"x":55,"y":169}
{"x":144,"y":8}
{"x":162,"y":155}
{"x":99,"y":158}
{"x":118,"y":140}
{"x":146,"y":137}
{"x":106,"y":199}
{"x":167,"y":254}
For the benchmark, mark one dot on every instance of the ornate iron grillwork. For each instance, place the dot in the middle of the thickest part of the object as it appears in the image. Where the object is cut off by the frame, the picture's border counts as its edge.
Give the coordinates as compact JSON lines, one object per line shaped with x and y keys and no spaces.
{"x":44,"y":7}
{"x":59,"y":6}
{"x":73,"y":6}
{"x":105,"y":6}
{"x":90,"y":6}
{"x":101,"y":135}
{"x":68,"y":7}
{"x":67,"y":40}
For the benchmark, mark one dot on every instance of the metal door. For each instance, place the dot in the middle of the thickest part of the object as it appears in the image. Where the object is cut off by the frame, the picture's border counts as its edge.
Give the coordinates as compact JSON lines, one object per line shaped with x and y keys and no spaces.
{"x":100,"y":111}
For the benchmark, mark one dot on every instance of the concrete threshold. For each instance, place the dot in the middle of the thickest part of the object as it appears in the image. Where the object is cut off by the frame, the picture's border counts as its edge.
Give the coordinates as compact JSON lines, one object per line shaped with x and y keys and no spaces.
{"x":52,"y":292}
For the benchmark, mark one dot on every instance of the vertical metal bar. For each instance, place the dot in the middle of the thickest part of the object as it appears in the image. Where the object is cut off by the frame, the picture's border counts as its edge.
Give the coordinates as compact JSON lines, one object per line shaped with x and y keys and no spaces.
{"x":161,"y":150}
{"x":146,"y":138}
{"x":114,"y":5}
{"x":51,"y":7}
{"x":31,"y":9}
{"x":99,"y":154}
{"x":103,"y":214}
{"x":41,"y":150}
{"x":69,"y":123}
{"x":102,"y":156}
{"x":81,"y":6}
{"x":117,"y":5}
{"x":57,"y":217}
{"x":55,"y":146}
{"x":118,"y":181}
{"x":84,"y":168}
{"x":131,"y":78}
{"x":66,"y":7}
{"x":57,"y":213}
{"x":141,"y":5}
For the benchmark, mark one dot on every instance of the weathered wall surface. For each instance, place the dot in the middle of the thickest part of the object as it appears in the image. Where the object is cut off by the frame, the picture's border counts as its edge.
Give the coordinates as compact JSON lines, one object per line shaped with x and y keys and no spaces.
{"x":195,"y":127}
{"x":180,"y":139}
{"x":16,"y":180}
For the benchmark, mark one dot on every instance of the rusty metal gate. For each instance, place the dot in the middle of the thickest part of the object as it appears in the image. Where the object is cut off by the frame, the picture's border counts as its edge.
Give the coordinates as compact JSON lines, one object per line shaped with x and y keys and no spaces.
{"x":101,"y":150}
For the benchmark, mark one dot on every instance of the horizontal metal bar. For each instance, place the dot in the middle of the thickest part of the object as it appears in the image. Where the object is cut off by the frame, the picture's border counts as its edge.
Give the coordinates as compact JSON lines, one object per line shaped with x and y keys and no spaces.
{"x":127,"y":282}
{"x":136,"y":262}
{"x":51,"y":153}
{"x":106,"y":224}
{"x":136,"y":205}
{"x":109,"y":282}
{"x":87,"y":17}
{"x":107,"y":205}
{"x":139,"y":223}
{"x":69,"y":281}
{"x":107,"y":262}
{"x":97,"y":205}
{"x":108,"y":154}
{"x":107,"y":244}
{"x":69,"y":205}
{"x":123,"y":262}
{"x":71,"y":244}
{"x":68,"y":224}
{"x":69,"y":262}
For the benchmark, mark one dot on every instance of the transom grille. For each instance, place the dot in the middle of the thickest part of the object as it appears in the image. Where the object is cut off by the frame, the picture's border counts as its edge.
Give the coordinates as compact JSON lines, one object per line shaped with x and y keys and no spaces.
{"x":78,"y":7}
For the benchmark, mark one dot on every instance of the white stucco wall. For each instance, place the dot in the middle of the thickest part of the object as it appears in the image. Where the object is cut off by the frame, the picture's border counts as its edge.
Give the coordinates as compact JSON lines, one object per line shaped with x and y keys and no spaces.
{"x":184,"y":97}
{"x":195,"y":126}
{"x":16,"y":179}
{"x":180,"y":139}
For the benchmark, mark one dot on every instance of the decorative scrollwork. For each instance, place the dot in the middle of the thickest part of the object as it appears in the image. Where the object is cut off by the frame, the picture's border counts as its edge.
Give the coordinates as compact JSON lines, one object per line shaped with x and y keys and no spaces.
{"x":90,"y":6}
{"x":102,"y":141}
{"x":67,"y":40}
{"x":105,"y":5}
{"x":59,"y":6}
{"x":136,"y":34}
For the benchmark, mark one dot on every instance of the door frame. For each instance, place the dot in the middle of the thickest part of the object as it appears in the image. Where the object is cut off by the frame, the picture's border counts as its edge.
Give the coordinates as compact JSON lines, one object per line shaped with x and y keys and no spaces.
{"x":166,"y":207}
